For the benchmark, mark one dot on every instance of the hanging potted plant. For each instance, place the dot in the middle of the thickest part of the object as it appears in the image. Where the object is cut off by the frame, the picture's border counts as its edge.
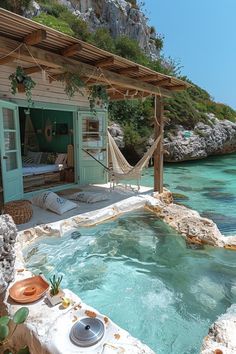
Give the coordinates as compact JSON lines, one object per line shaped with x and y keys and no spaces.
{"x":98,"y":96}
{"x":55,"y":293}
{"x":21,"y":82}
{"x":72,"y":83}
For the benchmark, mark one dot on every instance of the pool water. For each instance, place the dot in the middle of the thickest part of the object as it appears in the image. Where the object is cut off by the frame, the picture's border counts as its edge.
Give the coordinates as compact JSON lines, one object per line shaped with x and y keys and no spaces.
{"x":208,"y":186}
{"x":141,"y":274}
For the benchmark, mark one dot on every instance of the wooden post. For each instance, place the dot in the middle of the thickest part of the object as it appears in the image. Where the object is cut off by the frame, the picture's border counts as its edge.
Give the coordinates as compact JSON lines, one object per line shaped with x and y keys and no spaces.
{"x":158,"y":154}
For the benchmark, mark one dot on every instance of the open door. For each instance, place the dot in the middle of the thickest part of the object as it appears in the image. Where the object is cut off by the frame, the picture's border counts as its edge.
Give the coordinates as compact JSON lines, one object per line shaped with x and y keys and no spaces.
{"x":93,"y":140}
{"x":10,"y":150}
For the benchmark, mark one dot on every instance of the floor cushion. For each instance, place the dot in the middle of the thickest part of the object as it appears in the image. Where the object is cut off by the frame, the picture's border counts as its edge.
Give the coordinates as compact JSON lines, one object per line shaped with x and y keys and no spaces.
{"x":51,"y":201}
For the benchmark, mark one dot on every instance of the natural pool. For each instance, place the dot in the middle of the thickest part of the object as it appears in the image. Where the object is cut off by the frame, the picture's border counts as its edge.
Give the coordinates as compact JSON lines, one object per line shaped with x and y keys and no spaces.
{"x":208,"y":186}
{"x":141,"y":274}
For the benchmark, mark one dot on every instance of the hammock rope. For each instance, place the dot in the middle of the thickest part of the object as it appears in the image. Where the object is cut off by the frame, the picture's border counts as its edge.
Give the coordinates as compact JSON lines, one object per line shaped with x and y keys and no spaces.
{"x":120,"y":168}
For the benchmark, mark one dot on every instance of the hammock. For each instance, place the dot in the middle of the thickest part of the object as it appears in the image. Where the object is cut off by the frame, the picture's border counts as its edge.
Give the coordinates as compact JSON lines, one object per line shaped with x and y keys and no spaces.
{"x":120,"y":168}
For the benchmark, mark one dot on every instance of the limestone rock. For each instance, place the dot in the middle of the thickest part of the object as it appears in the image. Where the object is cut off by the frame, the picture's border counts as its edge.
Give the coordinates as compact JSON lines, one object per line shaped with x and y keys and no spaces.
{"x":8,"y":235}
{"x":217,"y":138}
{"x":192,"y":226}
{"x":221,"y":335}
{"x":117,"y":133}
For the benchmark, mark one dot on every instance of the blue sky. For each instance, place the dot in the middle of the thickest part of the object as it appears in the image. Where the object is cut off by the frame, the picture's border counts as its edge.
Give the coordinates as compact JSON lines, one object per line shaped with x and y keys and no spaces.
{"x":201,"y":34}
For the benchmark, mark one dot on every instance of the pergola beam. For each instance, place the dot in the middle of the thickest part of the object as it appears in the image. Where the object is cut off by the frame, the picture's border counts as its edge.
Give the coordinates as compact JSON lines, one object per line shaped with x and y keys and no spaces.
{"x":35,"y":37}
{"x":105,"y":62}
{"x":33,"y":69}
{"x":129,"y":70}
{"x":163,"y":82}
{"x":151,"y":77}
{"x":71,"y":50}
{"x":177,"y":88}
{"x":6,"y":60}
{"x":54,"y":60}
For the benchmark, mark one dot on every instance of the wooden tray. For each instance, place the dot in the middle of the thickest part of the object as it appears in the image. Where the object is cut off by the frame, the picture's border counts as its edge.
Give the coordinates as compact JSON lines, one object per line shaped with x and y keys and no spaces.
{"x":29,"y":289}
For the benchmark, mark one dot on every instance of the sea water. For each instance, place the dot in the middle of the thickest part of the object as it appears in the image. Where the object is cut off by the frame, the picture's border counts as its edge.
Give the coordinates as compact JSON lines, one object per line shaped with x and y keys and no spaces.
{"x":143,"y":275}
{"x":208,"y":186}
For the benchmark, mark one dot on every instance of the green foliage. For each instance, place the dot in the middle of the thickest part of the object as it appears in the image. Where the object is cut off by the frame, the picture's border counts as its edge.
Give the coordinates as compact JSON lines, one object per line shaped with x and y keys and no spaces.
{"x":131,"y":135}
{"x":20,"y":77}
{"x":182,"y":111}
{"x":159,"y":42}
{"x":20,"y":315}
{"x":72,"y":82}
{"x":18,"y":318}
{"x":136,"y":117}
{"x":60,"y":18}
{"x":53,"y":8}
{"x":54,"y":22}
{"x":78,"y":25}
{"x":4,"y":331}
{"x":55,"y":284}
{"x":128,"y":48}
{"x":102,"y":39}
{"x":97,"y":95}
{"x":17,"y":6}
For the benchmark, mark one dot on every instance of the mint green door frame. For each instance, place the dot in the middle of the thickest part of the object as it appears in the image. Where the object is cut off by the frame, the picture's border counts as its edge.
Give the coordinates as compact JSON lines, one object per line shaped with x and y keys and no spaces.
{"x":89,"y":170}
{"x":57,"y":107}
{"x":10,"y":149}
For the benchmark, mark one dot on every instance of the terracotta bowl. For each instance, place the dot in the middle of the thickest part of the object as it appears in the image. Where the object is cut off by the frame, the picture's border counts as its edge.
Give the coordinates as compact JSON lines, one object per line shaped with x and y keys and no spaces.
{"x":29,"y":289}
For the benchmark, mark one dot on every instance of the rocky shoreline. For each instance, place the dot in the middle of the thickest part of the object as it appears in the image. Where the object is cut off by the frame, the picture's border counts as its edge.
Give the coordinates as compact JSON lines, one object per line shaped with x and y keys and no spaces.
{"x":216,"y":138}
{"x":205,"y":140}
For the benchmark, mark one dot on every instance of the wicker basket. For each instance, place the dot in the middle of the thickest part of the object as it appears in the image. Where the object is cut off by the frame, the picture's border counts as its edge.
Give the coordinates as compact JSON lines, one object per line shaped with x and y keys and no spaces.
{"x":20,"y":211}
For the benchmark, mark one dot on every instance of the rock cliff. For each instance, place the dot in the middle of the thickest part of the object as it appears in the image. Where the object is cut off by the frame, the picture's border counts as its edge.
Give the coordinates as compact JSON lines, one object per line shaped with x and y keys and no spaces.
{"x":120,"y":17}
{"x":217,"y":138}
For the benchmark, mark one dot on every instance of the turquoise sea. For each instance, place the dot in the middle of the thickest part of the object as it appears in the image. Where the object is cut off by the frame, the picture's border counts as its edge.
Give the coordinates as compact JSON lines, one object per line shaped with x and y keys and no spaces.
{"x":208,"y":186}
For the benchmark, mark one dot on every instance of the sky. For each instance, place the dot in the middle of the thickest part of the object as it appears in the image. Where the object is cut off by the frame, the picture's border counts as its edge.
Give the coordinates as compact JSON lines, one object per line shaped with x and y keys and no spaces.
{"x":201,"y":35}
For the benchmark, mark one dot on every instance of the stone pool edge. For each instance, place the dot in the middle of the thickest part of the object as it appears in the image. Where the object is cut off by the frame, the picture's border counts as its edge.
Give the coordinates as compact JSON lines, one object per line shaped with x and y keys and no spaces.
{"x":186,"y":221}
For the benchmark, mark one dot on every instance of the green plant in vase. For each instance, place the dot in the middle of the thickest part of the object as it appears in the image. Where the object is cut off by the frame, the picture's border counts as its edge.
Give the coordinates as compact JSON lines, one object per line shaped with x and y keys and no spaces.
{"x":55,"y":294}
{"x":5,"y":333}
{"x":21,"y":82}
{"x":72,"y":83}
{"x":55,"y":284}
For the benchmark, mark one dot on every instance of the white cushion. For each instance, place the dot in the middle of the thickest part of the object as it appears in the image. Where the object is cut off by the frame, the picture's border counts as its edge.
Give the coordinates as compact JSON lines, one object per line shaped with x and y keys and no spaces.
{"x":88,"y":197}
{"x":51,"y":201}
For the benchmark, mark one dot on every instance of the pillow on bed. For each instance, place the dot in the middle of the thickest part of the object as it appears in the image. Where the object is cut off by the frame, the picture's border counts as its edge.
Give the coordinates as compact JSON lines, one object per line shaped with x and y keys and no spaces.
{"x":51,"y":201}
{"x":26,"y":160}
{"x":88,"y":197}
{"x":61,"y":159}
{"x":35,"y":156}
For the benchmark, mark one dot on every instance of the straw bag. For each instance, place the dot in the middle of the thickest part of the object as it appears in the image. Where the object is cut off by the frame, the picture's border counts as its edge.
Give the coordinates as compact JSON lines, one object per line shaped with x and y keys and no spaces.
{"x":20,"y":211}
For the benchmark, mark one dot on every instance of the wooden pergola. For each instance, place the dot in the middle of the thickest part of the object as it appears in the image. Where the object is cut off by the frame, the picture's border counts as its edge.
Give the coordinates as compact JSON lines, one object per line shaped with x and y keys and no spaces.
{"x":43,"y":47}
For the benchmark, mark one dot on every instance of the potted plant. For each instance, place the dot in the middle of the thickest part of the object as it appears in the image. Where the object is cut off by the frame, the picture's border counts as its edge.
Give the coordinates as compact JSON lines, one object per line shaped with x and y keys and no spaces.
{"x":55,"y":293}
{"x":5,"y":333}
{"x":98,"y":95}
{"x":21,"y":82}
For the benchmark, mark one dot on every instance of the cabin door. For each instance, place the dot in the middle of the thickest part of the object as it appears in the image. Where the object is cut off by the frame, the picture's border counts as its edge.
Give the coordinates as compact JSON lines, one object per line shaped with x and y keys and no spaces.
{"x":10,"y":149}
{"x":93,"y":147}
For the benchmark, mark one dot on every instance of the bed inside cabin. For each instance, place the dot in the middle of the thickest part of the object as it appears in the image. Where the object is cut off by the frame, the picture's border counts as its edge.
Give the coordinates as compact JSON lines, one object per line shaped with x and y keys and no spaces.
{"x":46,"y":148}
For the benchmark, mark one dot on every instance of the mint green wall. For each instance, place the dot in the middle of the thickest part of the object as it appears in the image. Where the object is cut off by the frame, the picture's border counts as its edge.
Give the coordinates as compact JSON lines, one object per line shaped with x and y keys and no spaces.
{"x":59,"y":143}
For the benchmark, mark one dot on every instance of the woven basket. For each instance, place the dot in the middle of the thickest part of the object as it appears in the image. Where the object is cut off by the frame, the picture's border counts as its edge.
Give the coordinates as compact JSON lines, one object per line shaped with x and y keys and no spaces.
{"x":20,"y":211}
